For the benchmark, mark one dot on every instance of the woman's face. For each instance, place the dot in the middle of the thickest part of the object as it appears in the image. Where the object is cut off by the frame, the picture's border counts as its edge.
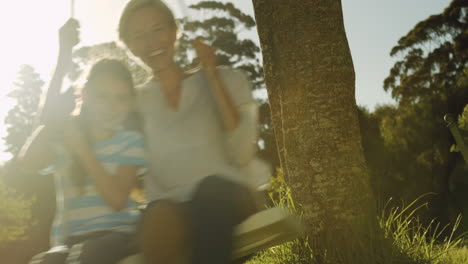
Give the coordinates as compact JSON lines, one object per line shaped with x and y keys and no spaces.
{"x":108,"y":101}
{"x":151,"y":37}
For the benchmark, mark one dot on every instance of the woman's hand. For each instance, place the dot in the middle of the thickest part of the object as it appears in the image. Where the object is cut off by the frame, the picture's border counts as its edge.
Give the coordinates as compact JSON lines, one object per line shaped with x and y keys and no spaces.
{"x":226,"y":108}
{"x":206,"y":54}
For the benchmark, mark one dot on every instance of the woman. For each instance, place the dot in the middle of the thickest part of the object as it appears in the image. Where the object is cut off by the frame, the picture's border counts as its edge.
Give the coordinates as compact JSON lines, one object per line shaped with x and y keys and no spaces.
{"x":95,"y":160}
{"x":200,"y":129}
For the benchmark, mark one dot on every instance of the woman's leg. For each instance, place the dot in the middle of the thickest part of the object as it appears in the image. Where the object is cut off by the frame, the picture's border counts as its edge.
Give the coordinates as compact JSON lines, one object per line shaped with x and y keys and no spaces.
{"x":200,"y":230}
{"x":164,"y":234}
{"x":217,"y":206}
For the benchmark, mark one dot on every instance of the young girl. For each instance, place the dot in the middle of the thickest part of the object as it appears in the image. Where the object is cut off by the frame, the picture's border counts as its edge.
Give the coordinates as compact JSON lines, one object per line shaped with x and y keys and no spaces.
{"x":200,"y":129}
{"x":96,"y":162}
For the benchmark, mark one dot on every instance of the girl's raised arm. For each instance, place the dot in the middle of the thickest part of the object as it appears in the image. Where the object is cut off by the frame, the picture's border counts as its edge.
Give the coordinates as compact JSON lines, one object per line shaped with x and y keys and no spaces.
{"x":54,"y":107}
{"x":37,"y":151}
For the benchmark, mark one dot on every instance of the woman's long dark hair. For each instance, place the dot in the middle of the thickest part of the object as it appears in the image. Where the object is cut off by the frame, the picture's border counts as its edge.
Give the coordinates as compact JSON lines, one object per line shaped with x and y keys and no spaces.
{"x":104,"y":68}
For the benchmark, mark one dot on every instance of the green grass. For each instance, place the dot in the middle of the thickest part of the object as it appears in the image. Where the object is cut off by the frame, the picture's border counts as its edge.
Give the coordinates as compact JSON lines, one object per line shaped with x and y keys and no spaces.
{"x":399,"y":238}
{"x":15,"y":214}
{"x":421,"y":243}
{"x":457,"y":255}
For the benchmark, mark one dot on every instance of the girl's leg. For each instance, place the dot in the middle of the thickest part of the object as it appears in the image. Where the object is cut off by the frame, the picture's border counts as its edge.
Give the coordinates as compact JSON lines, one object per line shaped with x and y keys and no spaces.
{"x":217,"y":206}
{"x":107,"y":248}
{"x":55,"y":255}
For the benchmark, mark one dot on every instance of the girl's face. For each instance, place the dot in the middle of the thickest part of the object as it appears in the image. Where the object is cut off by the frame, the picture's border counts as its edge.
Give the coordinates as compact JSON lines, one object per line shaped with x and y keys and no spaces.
{"x":108,"y":101}
{"x":151,"y":37}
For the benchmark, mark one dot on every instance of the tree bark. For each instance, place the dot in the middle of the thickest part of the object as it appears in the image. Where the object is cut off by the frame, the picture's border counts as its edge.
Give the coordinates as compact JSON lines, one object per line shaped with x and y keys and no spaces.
{"x":311,"y":87}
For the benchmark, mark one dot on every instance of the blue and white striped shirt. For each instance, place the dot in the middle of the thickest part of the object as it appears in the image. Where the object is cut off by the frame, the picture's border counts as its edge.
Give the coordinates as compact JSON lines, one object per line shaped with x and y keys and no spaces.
{"x":82,"y":210}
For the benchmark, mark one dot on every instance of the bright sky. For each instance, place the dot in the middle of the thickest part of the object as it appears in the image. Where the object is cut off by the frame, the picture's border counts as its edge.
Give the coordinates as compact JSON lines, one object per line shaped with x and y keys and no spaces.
{"x":29,"y":36}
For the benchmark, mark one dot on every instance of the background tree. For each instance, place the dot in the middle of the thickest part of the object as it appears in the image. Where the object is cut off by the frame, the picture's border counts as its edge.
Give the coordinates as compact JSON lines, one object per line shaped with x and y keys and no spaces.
{"x":221,"y":25}
{"x":380,"y":167}
{"x":26,"y":198}
{"x":428,"y":81}
{"x":15,"y":220}
{"x":19,"y":120}
{"x":15,"y":213}
{"x":458,"y":178}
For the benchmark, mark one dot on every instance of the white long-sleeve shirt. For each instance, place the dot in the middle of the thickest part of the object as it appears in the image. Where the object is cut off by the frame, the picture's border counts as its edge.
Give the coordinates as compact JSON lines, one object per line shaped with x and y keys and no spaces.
{"x":186,"y":145}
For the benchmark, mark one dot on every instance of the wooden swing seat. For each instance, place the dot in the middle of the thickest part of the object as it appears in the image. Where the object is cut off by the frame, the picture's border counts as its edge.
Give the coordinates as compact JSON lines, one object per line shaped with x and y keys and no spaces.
{"x":265,"y":229}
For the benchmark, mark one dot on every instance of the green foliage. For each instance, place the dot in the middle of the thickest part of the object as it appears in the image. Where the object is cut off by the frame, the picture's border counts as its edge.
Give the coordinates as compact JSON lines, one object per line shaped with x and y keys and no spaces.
{"x":19,"y":121}
{"x":411,"y":241}
{"x":394,"y":154}
{"x":434,"y":56}
{"x":382,"y":171}
{"x":228,"y":8}
{"x":463,"y":119}
{"x":463,"y":128}
{"x":220,"y":24}
{"x":15,"y":214}
{"x":409,"y":154}
{"x":294,"y":252}
{"x":459,"y":255}
{"x":422,"y":243}
{"x":280,"y":193}
{"x":428,"y":83}
{"x":417,"y":142}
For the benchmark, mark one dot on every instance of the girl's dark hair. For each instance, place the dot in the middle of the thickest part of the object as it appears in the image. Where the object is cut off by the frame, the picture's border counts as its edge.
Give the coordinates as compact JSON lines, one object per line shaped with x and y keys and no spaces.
{"x":134,"y":5}
{"x":111,"y":68}
{"x":104,"y":68}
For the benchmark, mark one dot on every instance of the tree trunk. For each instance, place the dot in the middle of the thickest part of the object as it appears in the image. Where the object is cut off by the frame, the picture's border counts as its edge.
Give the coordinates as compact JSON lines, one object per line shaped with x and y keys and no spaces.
{"x":310,"y":81}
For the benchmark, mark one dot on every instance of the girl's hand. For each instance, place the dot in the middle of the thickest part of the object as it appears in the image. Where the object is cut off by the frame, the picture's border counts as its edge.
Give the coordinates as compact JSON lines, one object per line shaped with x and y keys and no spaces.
{"x":75,"y":140}
{"x":206,"y":54}
{"x":69,"y":36}
{"x":67,"y":103}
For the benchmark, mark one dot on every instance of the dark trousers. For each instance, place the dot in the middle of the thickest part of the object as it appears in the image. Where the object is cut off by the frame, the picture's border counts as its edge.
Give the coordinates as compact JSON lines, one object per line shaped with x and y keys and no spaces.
{"x":106,"y":247}
{"x":216,"y":207}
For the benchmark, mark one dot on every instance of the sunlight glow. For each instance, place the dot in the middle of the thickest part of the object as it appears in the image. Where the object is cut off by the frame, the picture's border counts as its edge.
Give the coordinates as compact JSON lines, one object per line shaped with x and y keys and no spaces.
{"x":29,"y":32}
{"x":30,"y":36}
